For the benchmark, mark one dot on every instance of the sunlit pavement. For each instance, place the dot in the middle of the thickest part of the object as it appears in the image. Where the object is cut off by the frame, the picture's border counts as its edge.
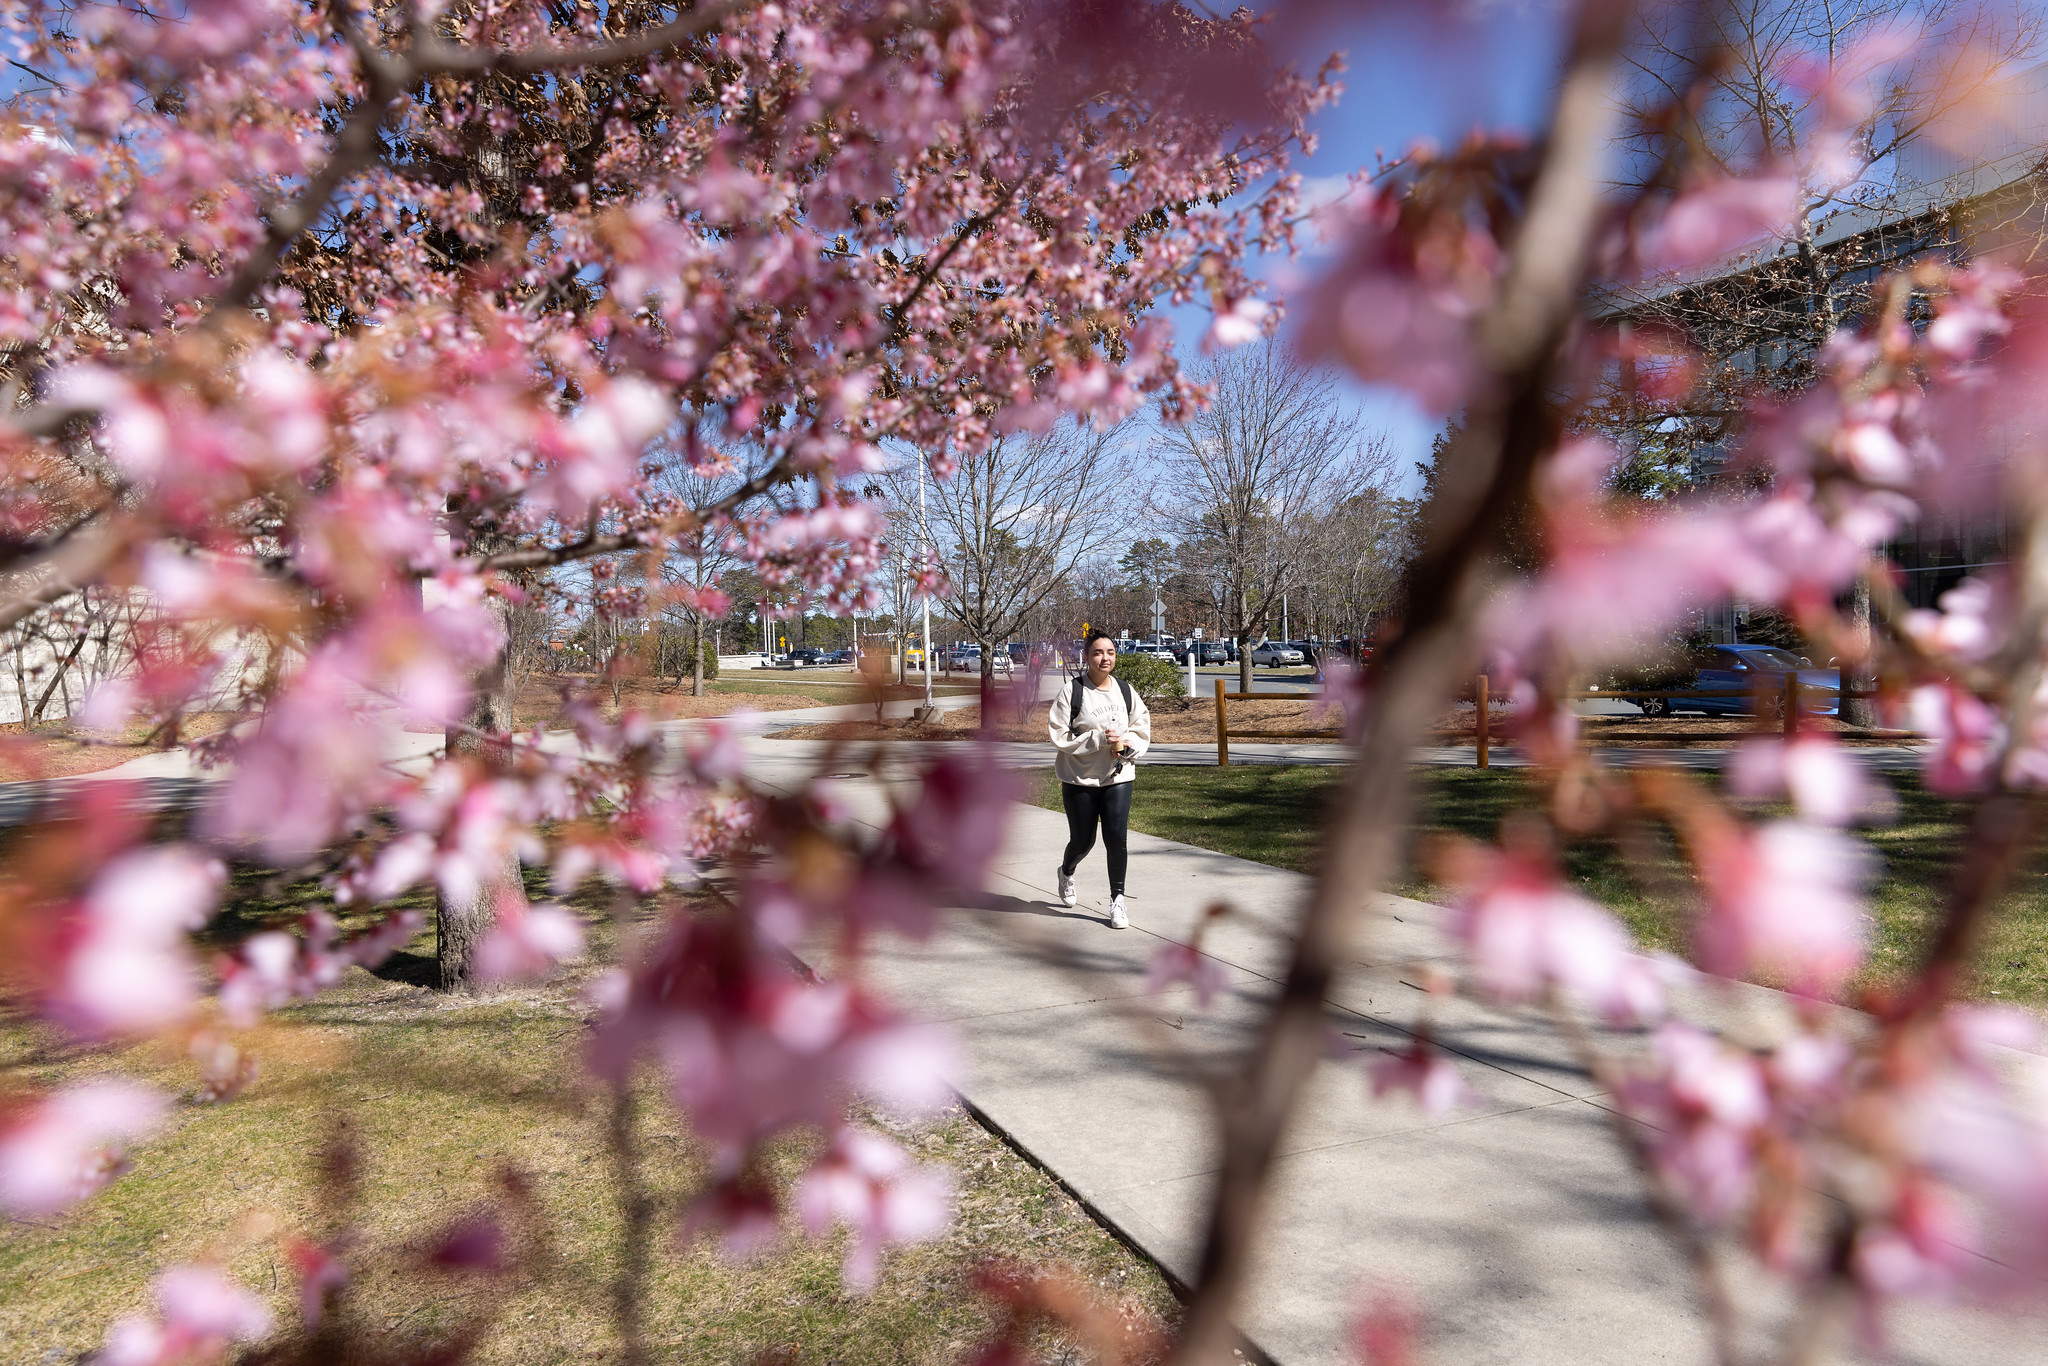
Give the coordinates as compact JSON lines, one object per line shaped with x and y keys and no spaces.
{"x":1515,"y":1221}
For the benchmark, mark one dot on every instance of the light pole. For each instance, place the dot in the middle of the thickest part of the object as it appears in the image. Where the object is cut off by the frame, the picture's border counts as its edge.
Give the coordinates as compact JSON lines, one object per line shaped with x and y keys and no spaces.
{"x":924,"y":548}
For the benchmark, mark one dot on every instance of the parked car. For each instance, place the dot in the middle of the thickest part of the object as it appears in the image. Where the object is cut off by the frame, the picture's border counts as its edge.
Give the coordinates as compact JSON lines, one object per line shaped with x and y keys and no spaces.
{"x":1158,"y":652}
{"x":1275,"y":654}
{"x":1744,"y":672}
{"x":967,"y":659}
{"x":836,"y":657}
{"x":1020,"y":650}
{"x":806,"y":657}
{"x":1212,"y":652}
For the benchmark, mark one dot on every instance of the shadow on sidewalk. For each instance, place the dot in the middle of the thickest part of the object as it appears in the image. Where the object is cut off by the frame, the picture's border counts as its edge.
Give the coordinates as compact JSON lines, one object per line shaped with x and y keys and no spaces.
{"x":1017,"y":905}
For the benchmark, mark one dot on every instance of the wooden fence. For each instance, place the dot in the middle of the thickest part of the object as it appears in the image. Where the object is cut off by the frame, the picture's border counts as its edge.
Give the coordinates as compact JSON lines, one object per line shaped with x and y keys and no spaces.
{"x":1783,"y":703}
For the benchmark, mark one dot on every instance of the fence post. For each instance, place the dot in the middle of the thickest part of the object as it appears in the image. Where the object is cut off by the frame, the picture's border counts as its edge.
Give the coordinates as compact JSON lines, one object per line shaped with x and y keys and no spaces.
{"x":1222,"y":727}
{"x":1791,"y":703}
{"x":1842,"y":694}
{"x":1481,"y":716}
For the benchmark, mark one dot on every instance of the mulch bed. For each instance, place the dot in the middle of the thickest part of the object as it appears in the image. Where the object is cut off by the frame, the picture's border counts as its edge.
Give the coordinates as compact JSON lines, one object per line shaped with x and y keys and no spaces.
{"x":54,"y":750}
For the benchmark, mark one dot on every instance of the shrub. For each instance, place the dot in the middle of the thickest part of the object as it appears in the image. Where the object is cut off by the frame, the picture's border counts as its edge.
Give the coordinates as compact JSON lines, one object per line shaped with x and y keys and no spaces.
{"x":1151,"y":677}
{"x":1673,"y":664}
{"x":710,"y":657}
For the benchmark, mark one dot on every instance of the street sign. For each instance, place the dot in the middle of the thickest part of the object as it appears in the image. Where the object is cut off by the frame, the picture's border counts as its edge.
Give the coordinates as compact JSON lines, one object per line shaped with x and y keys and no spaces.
{"x":1158,"y":617}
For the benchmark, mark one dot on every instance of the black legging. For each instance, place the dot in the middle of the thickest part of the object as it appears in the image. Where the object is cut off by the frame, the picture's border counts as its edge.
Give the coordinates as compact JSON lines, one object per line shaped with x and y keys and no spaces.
{"x":1111,"y":806}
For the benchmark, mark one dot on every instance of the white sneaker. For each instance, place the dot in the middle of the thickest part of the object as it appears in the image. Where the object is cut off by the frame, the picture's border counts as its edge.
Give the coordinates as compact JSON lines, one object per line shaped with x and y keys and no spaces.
{"x":1117,"y":919}
{"x":1067,"y":894}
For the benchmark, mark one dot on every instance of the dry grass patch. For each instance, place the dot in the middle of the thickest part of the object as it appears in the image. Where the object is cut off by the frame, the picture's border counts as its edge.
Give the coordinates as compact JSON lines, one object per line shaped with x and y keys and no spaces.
{"x":540,"y":699}
{"x":445,"y":1105}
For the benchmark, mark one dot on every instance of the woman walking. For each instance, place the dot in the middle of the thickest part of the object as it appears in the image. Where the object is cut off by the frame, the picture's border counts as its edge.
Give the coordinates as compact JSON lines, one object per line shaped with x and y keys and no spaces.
{"x":1100,"y":728}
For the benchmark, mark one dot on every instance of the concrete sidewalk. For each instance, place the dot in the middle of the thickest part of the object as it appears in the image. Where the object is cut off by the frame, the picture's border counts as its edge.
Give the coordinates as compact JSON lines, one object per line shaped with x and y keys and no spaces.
{"x":1516,"y":1222}
{"x":172,"y":778}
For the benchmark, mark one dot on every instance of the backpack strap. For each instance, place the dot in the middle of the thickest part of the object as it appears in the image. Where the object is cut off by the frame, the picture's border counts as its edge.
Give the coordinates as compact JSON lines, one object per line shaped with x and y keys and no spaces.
{"x":1074,"y":703}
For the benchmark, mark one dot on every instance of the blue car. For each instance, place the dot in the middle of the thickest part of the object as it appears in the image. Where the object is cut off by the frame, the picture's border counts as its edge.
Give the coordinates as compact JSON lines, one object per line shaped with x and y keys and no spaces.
{"x":1743,"y":670}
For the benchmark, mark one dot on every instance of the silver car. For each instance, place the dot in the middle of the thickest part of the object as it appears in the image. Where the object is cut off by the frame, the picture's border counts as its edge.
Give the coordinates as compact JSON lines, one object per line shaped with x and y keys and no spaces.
{"x":1273,"y":654}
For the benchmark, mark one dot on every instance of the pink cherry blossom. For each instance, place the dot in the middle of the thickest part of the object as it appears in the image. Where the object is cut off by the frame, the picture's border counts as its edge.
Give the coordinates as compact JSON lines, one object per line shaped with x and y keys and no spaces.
{"x":1971,"y":624}
{"x":1401,"y":305}
{"x":1827,"y":784}
{"x":1242,"y":322}
{"x":1970,"y":314}
{"x":1389,"y":1328}
{"x":1425,"y":1073}
{"x":1784,"y":899}
{"x":527,"y":942}
{"x":1527,"y":933}
{"x":1712,"y":220}
{"x":321,"y":1274}
{"x":1708,"y":1102}
{"x":61,"y":1148}
{"x":200,"y":1314}
{"x":868,"y":1184}
{"x":127,"y":967}
{"x":1967,"y":737}
{"x":1175,"y":963}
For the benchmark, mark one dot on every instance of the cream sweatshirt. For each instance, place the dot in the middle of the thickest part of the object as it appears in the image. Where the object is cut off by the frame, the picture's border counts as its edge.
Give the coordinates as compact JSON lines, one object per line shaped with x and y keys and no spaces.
{"x":1083,"y":759}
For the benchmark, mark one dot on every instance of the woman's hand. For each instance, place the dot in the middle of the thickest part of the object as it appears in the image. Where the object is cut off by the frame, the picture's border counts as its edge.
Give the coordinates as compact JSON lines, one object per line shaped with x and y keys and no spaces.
{"x":1112,"y":739}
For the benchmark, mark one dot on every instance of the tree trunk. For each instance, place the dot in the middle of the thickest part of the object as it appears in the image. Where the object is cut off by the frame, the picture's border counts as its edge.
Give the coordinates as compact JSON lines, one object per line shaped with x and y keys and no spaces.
{"x":460,"y":926}
{"x":697,"y":660}
{"x":1244,"y":641}
{"x":1860,"y":711}
{"x":988,"y":685}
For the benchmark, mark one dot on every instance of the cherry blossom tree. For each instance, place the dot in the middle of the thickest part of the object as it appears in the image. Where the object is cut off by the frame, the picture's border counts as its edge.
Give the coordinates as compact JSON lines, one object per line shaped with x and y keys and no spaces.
{"x":325,"y":323}
{"x":328,"y":326}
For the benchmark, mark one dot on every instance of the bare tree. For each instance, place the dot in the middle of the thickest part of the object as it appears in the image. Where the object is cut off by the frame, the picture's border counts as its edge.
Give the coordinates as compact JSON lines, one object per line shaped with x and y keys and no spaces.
{"x":1250,"y":477}
{"x":1860,"y":206}
{"x":1361,"y":550}
{"x":1015,"y":520}
{"x":698,"y":479}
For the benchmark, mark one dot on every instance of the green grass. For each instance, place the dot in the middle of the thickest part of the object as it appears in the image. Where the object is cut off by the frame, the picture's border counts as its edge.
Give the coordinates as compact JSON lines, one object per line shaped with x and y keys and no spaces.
{"x":1274,"y":815}
{"x":439,"y":1100}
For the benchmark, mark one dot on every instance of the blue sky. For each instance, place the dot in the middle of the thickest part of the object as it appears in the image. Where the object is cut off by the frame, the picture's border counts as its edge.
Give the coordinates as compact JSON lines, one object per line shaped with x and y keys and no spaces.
{"x":1434,"y":72}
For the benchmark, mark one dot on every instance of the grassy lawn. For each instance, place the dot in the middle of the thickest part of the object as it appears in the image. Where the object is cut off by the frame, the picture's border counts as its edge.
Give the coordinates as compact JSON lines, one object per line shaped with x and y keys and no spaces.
{"x":1274,"y":815}
{"x":439,"y":1100}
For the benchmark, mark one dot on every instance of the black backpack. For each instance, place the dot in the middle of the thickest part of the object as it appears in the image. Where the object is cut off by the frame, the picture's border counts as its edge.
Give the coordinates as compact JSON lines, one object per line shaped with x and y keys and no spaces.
{"x":1074,"y":703}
